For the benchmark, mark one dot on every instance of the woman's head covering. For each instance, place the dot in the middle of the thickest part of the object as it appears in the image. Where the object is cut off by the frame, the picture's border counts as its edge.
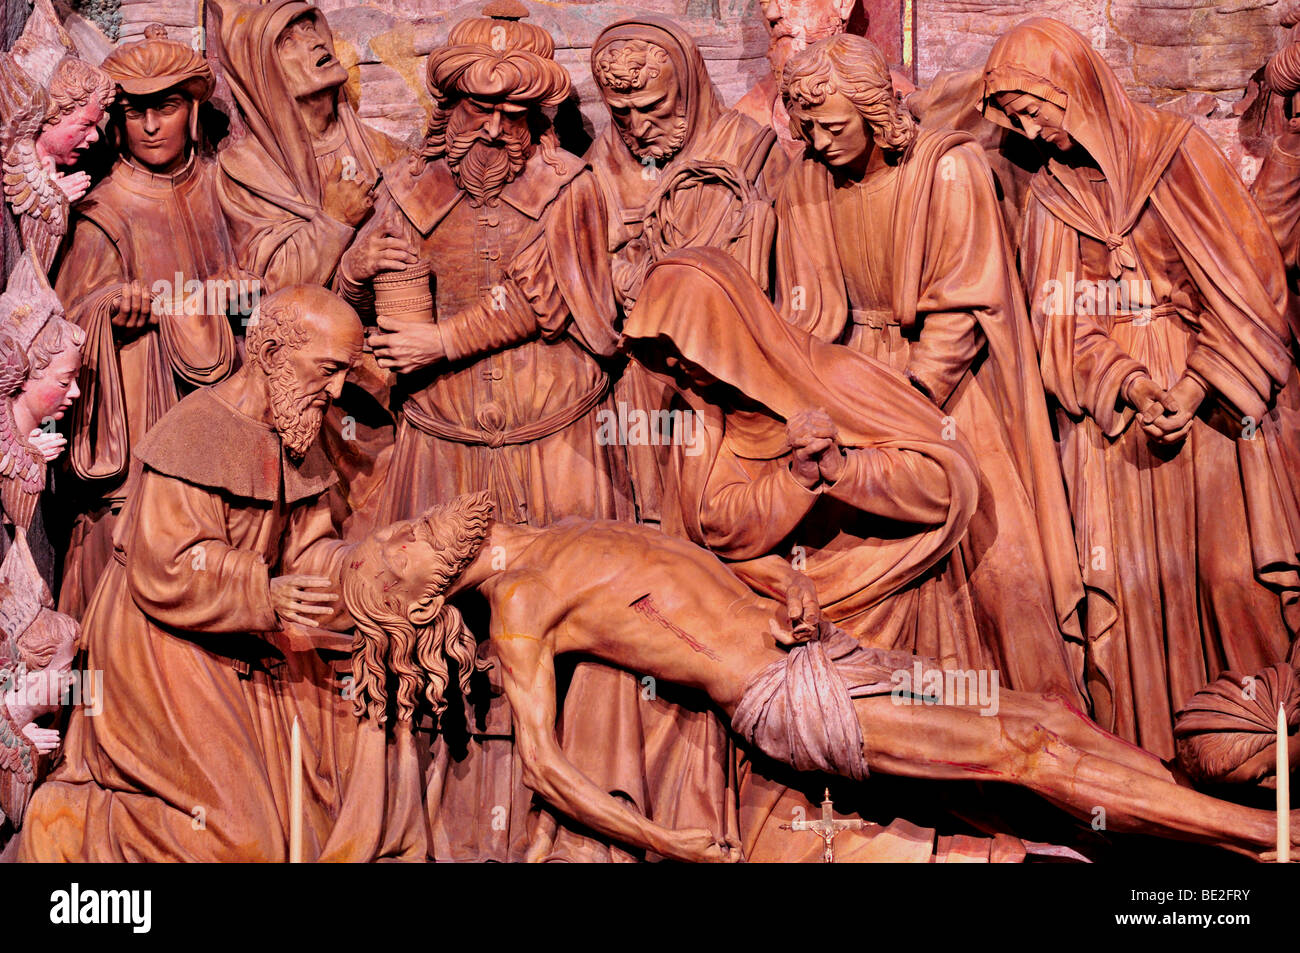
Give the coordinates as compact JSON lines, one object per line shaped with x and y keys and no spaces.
{"x":1132,"y":144}
{"x":711,"y":312}
{"x":248,"y":54}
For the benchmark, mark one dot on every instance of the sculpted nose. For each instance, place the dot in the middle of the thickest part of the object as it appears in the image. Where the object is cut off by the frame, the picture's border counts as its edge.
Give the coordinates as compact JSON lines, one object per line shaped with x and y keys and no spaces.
{"x":821,"y":139}
{"x":493,"y":127}
{"x":1031,"y":128}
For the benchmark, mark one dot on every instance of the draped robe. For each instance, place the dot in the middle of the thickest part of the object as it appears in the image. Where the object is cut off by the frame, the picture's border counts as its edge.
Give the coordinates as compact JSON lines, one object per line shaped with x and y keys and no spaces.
{"x":290,"y":202}
{"x":912,"y":267}
{"x":1191,"y":553}
{"x":189,"y":758}
{"x":163,"y":231}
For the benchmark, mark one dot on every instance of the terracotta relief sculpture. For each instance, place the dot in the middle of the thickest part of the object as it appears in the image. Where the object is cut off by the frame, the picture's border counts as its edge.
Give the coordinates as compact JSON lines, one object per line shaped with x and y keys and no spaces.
{"x":822,"y":704}
{"x":890,"y":240}
{"x":296,"y":189}
{"x":150,"y":276}
{"x":792,"y":25}
{"x":223,"y":582}
{"x":1157,"y":298}
{"x":502,"y":391}
{"x":39,"y":359}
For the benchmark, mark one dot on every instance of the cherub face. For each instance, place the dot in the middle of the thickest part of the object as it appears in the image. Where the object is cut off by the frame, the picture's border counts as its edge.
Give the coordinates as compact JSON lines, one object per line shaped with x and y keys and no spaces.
{"x":64,"y":139}
{"x":51,"y":392}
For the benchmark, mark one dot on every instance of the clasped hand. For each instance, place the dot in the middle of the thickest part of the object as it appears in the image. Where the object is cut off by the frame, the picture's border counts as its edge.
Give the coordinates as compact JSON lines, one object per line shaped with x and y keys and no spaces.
{"x":1166,"y":416}
{"x":818,"y":456}
{"x":405,"y":346}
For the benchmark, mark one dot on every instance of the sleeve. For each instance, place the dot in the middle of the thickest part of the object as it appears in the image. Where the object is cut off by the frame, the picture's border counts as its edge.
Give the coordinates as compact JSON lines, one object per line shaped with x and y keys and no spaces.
{"x":88,"y":278}
{"x":283,"y":248}
{"x":312,"y":546}
{"x":1277,"y":193}
{"x":558,"y":283}
{"x":1244,"y":343}
{"x":181,"y":568}
{"x":894,"y":484}
{"x":745,"y":517}
{"x":964,"y":276}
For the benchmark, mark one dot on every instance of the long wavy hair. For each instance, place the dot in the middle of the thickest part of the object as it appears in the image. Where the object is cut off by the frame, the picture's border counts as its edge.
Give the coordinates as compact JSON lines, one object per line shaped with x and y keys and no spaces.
{"x":389,"y":648}
{"x":853,"y":67}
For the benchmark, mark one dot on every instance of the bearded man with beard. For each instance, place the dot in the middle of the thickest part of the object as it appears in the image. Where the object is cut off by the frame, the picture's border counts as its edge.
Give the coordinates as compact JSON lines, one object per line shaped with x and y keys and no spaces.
{"x":512,"y":414}
{"x":211,"y":629}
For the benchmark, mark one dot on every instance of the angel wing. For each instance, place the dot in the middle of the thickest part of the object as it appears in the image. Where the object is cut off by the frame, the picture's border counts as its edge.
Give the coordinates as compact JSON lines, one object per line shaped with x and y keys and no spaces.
{"x":37,"y":200}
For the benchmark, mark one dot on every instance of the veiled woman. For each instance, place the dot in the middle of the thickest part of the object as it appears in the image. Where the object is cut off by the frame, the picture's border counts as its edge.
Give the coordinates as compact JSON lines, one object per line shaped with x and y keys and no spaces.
{"x":1157,"y":298}
{"x":795,"y":453}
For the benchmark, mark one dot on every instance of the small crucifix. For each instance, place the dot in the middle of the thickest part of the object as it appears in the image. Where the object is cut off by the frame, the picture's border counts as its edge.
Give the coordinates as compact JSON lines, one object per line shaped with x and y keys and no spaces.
{"x":827,"y":827}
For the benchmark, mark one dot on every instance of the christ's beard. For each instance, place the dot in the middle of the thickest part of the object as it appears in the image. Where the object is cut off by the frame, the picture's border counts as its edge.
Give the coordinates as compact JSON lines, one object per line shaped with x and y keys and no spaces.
{"x":296,"y":419}
{"x":483,"y":169}
{"x":676,"y":139}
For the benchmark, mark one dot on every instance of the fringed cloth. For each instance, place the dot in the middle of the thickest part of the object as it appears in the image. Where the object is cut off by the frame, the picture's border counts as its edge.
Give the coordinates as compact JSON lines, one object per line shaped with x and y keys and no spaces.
{"x":799,"y":710}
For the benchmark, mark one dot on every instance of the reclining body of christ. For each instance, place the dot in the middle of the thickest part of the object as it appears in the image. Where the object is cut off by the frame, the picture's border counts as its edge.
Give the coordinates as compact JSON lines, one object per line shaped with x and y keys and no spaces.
{"x":665,"y":608}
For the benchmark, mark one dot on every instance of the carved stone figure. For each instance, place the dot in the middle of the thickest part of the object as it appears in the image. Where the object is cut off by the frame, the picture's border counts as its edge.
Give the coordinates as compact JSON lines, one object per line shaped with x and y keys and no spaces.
{"x":649,"y":603}
{"x":43,"y":132}
{"x":890,"y":240}
{"x":1157,"y":297}
{"x":296,"y":188}
{"x":510,"y":402}
{"x":226,"y":563}
{"x":150,"y":275}
{"x":792,"y":25}
{"x":39,"y":359}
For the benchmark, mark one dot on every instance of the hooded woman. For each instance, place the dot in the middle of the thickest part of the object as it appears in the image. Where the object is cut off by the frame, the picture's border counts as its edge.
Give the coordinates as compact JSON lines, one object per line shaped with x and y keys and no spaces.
{"x":795,"y":454}
{"x":1158,"y":293}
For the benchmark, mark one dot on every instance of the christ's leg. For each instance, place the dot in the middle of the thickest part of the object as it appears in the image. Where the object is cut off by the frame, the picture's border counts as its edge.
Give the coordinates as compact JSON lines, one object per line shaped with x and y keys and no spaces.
{"x":1038,"y":742}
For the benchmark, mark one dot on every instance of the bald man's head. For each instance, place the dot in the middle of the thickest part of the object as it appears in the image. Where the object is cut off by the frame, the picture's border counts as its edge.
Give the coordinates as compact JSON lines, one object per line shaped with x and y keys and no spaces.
{"x":302,"y":340}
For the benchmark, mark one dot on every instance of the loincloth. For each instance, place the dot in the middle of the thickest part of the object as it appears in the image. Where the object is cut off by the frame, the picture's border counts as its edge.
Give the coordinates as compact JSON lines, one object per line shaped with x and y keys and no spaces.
{"x":799,"y":710}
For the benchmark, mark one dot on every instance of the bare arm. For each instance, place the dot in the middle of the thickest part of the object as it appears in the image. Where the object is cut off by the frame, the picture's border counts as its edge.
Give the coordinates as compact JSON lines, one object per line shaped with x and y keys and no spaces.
{"x":528,"y":674}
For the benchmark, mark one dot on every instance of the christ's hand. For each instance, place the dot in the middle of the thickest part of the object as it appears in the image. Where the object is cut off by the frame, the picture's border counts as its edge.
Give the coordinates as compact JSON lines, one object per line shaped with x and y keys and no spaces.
{"x":803,"y":610}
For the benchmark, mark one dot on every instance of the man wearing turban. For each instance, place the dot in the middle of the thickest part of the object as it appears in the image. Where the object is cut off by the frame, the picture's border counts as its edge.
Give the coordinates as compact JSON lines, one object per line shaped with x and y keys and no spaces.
{"x":147,"y":244}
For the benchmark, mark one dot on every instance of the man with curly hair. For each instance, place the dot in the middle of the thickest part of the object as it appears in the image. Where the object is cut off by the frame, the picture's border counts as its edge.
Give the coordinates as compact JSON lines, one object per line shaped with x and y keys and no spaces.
{"x":79,"y":94}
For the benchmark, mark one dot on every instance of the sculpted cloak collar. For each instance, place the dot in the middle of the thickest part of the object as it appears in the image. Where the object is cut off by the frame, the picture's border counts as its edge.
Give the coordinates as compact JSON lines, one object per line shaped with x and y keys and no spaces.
{"x":205,"y":441}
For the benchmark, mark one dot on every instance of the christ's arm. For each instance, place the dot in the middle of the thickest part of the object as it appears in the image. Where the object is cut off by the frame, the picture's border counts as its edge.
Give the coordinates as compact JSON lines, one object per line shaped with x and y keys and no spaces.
{"x":528,"y":674}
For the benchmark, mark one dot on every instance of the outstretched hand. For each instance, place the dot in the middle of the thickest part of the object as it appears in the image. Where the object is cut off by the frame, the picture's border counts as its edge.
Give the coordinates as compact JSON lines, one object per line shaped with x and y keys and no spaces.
{"x":294,"y":598}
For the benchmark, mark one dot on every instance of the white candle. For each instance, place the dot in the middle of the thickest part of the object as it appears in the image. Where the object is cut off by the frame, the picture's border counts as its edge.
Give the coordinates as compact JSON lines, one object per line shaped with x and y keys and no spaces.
{"x":1283,"y":791}
{"x":295,"y":796}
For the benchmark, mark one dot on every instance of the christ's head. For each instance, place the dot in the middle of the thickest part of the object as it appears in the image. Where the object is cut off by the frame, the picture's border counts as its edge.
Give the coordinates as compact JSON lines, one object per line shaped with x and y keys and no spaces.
{"x":640,"y":85}
{"x":394,"y":585}
{"x":301,"y":342}
{"x":79,"y":94}
{"x":842,"y":102}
